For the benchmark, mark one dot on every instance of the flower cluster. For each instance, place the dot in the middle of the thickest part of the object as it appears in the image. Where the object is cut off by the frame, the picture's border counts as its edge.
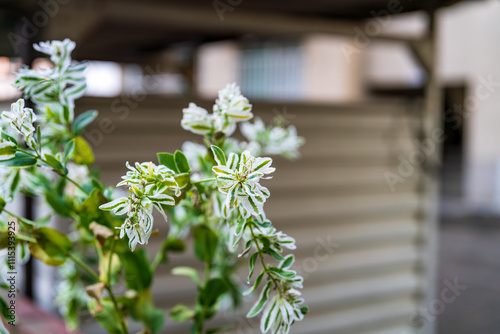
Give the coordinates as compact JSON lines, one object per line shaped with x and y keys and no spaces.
{"x":281,"y":312}
{"x":149,"y":186}
{"x":230,"y":108}
{"x":276,"y":140}
{"x":56,"y":88}
{"x":239,"y":178}
{"x":21,"y":120}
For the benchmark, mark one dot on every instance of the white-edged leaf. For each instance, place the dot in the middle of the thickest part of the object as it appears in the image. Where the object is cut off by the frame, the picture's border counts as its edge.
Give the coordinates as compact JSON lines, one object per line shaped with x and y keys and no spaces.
{"x":255,"y":284}
{"x":113,"y":204}
{"x":7,"y":150}
{"x":251,"y":265}
{"x":219,"y":156}
{"x":270,"y":315}
{"x":261,"y":302}
{"x":162,"y":199}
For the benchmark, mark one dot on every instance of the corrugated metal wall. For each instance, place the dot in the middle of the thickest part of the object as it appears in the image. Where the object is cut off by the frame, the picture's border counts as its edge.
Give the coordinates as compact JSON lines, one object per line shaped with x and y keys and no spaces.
{"x":361,"y":246}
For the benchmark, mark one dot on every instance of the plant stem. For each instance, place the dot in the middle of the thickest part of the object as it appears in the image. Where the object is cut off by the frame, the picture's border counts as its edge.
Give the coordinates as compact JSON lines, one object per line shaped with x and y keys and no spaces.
{"x":21,"y":219}
{"x":159,"y":255}
{"x":259,"y":251}
{"x":84,"y":267}
{"x":115,"y":304}
{"x":72,"y":181}
{"x":110,"y":261}
{"x":206,"y":180}
{"x":38,"y":156}
{"x":108,"y":288}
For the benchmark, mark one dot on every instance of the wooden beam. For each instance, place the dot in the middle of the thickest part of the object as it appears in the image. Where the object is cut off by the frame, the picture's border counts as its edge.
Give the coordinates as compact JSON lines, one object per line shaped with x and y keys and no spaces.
{"x":238,"y":21}
{"x":76,"y":20}
{"x":422,"y":51}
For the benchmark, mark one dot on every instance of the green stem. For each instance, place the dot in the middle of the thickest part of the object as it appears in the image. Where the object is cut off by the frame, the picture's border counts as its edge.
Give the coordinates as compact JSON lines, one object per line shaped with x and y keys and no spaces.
{"x":108,"y":288}
{"x":110,"y":262}
{"x":206,"y":180}
{"x":206,"y":276}
{"x":261,"y":256}
{"x":38,"y":156}
{"x":21,"y":219}
{"x":84,"y":267}
{"x":115,"y":304}
{"x":28,"y":153}
{"x":72,"y":181}
{"x":159,"y":255}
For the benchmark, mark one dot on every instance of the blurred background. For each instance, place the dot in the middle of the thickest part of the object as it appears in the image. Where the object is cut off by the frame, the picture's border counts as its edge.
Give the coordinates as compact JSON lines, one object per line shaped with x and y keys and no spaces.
{"x":395,"y":200}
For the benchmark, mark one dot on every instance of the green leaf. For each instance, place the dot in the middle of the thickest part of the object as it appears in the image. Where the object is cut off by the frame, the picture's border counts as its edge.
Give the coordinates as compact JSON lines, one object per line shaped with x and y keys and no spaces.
{"x":2,"y":204}
{"x":205,"y":243}
{"x":68,"y":150}
{"x":52,"y":246}
{"x":261,"y":302}
{"x":82,"y":120}
{"x":255,"y":285}
{"x":4,"y":310}
{"x":182,"y":179}
{"x":82,"y":153}
{"x":14,"y":183}
{"x":20,"y":160}
{"x":277,"y":256}
{"x":251,"y":265}
{"x":268,"y":315}
{"x":142,"y":309}
{"x":58,"y":203}
{"x":8,"y":138}
{"x":189,"y":272}
{"x":214,"y":288}
{"x":7,"y":151}
{"x":287,"y":274}
{"x":181,"y":313}
{"x":89,"y":211}
{"x":53,"y":162}
{"x":154,"y":319}
{"x":181,"y":162}
{"x":175,"y":245}
{"x":67,"y":114}
{"x":138,"y":274}
{"x":219,"y":156}
{"x":287,"y":262}
{"x":105,"y":315}
{"x":167,"y":159}
{"x":39,"y":137}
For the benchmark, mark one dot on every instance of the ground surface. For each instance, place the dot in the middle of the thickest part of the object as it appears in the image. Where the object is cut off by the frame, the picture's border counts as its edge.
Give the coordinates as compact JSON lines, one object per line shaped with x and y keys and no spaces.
{"x":470,"y":252}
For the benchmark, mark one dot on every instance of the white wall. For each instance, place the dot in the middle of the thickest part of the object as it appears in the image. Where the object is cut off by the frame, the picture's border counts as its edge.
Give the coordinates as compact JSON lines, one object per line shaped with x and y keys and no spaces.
{"x":469,"y":41}
{"x":468,"y":52}
{"x":217,"y":64}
